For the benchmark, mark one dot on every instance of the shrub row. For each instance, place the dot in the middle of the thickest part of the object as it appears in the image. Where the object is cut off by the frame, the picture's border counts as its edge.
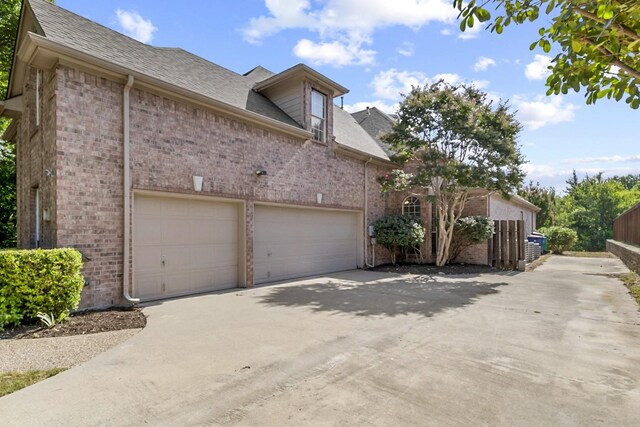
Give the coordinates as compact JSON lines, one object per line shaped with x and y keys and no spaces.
{"x":33,"y":281}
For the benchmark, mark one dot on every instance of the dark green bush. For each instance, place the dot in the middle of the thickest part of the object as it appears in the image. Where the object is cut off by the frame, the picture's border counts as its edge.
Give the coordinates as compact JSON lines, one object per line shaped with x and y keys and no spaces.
{"x":560,"y":239}
{"x":32,"y":281}
{"x":399,"y":232}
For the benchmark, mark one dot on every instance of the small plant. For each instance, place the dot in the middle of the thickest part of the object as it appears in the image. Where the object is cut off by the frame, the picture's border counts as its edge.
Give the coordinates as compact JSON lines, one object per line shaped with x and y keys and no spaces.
{"x":49,"y":320}
{"x":470,"y":230}
{"x":560,"y":239}
{"x":399,"y":232}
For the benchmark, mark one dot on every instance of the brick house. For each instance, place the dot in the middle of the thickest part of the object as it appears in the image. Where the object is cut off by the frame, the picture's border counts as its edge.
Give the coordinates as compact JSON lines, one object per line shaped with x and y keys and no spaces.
{"x":173,"y":175}
{"x":481,"y":202}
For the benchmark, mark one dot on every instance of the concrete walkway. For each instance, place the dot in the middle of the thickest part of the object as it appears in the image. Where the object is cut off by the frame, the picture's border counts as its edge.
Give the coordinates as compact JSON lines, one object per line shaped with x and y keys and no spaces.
{"x":558,"y":346}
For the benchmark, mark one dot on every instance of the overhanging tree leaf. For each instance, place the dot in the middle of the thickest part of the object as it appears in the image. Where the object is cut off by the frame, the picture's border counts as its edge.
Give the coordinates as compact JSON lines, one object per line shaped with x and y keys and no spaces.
{"x":599,"y":42}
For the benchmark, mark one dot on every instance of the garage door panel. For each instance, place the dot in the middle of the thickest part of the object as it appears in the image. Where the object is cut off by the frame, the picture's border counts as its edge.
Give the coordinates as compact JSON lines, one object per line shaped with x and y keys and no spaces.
{"x":148,"y":232}
{"x":148,"y":285}
{"x":297,"y":242}
{"x":197,"y":239}
{"x":148,"y":258}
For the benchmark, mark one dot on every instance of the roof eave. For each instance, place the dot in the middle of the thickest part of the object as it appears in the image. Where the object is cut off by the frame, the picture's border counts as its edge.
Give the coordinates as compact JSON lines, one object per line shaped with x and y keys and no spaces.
{"x":338,"y":89}
{"x":44,"y":43}
{"x":361,"y":155}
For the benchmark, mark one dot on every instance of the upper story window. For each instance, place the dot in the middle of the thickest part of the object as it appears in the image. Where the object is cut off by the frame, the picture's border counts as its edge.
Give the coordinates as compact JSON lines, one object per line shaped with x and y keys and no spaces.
{"x":318,"y":115}
{"x":411,"y":207}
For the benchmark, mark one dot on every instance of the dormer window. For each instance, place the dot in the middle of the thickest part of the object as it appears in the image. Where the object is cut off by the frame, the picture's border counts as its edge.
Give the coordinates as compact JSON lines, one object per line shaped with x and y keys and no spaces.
{"x":318,"y":115}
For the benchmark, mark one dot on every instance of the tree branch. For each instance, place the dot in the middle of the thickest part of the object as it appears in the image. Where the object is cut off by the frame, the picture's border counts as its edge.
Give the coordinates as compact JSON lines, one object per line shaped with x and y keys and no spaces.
{"x":614,"y":59}
{"x":620,"y":27}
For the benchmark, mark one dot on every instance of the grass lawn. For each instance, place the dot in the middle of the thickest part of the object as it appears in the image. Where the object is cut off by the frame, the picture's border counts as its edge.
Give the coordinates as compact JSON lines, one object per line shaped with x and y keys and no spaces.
{"x":14,"y":381}
{"x":632,"y":281}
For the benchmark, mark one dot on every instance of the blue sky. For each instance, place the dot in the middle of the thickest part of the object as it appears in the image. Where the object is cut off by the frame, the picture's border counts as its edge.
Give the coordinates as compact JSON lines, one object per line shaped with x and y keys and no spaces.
{"x":378,"y":48}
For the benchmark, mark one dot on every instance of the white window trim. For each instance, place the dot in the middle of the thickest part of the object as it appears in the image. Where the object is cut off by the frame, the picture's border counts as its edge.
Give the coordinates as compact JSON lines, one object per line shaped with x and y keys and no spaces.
{"x":412,"y":201}
{"x":324,"y":119}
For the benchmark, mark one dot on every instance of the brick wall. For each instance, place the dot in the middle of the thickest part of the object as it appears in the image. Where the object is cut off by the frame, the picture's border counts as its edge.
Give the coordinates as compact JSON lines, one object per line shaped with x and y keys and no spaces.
{"x":475,"y":254}
{"x":170,"y":142}
{"x":36,"y":162}
{"x":90,"y":179}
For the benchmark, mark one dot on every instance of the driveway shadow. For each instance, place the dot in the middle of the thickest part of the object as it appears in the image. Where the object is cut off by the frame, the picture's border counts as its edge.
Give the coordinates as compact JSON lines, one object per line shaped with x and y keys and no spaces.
{"x":422,"y":295}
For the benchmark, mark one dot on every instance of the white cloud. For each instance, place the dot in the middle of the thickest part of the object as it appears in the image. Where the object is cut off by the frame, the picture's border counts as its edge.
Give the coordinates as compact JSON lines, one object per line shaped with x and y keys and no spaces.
{"x":406,"y":49}
{"x":389,"y":108}
{"x":552,"y":175}
{"x":471,"y":33}
{"x":136,"y":26}
{"x":358,"y":16}
{"x":543,"y":111}
{"x":335,"y":53}
{"x":483,"y":63}
{"x":347,"y":22}
{"x":446,"y":31}
{"x":606,"y":159}
{"x":393,"y":83}
{"x":538,"y":68}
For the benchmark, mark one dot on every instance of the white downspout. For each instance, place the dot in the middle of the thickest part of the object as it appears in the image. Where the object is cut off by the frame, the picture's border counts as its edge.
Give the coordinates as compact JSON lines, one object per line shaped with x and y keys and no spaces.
{"x":127,"y":195}
{"x":366,"y":211}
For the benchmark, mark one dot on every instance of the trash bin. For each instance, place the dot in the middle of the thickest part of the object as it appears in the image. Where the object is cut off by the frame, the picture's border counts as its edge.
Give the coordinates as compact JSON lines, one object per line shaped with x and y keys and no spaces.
{"x":540,"y":239}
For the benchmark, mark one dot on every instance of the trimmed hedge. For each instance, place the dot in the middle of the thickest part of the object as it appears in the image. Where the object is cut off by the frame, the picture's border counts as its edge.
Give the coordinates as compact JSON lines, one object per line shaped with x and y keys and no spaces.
{"x":559,"y":239}
{"x":32,"y":281}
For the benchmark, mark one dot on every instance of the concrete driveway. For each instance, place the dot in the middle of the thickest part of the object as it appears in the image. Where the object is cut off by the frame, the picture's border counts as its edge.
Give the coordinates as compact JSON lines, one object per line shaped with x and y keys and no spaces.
{"x":558,"y":346}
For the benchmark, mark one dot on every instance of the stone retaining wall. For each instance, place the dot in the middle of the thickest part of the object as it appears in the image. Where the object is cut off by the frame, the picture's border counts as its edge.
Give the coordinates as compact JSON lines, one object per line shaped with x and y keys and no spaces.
{"x":629,"y":254}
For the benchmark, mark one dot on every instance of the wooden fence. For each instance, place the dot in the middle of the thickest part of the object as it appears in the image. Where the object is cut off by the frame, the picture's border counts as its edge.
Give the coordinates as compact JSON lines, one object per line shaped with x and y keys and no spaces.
{"x":507,"y":246}
{"x":626,"y":228}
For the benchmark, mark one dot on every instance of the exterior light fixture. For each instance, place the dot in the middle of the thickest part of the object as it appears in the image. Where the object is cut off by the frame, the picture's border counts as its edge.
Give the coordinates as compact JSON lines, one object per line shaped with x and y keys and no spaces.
{"x":261,"y":172}
{"x":197,"y":183}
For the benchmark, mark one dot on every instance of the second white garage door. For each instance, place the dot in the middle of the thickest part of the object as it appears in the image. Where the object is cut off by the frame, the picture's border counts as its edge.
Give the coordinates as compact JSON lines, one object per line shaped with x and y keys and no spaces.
{"x":297,"y":242}
{"x":183,"y":246}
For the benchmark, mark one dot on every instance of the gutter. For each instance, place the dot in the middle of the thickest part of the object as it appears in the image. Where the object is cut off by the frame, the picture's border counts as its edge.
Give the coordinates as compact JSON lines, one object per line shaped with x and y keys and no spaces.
{"x":127,"y":195}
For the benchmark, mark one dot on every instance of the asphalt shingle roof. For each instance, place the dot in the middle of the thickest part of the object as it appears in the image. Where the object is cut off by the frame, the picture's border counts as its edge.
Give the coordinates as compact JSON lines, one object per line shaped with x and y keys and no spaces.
{"x":180,"y":68}
{"x":377,"y":123}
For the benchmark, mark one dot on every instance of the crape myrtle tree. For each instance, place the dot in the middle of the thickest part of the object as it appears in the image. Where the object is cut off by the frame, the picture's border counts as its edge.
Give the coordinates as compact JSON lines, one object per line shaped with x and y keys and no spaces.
{"x":450,"y":140}
{"x":599,"y":41}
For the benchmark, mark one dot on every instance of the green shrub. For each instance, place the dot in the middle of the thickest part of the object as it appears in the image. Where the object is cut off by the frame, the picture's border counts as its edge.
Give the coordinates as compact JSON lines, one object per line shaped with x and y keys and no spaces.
{"x":560,"y":239}
{"x":470,"y":230}
{"x":34,"y":281}
{"x":399,"y":232}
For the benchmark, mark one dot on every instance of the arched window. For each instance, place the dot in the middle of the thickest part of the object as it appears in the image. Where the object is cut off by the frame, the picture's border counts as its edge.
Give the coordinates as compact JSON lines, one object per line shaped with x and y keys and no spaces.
{"x":411,"y":207}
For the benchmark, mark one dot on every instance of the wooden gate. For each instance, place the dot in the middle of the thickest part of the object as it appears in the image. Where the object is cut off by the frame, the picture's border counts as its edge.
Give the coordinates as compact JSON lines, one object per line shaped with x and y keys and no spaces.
{"x":507,"y":246}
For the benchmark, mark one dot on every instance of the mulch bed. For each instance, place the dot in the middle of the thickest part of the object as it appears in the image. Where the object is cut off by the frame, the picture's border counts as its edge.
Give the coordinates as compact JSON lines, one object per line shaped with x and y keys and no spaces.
{"x":431,"y":269}
{"x":83,"y":322}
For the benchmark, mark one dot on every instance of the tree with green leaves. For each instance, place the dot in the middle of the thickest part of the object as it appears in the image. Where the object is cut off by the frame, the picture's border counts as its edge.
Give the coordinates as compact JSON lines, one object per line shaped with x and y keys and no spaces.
{"x":544,"y":198}
{"x":591,"y":205}
{"x":599,"y":42}
{"x":452,"y":140}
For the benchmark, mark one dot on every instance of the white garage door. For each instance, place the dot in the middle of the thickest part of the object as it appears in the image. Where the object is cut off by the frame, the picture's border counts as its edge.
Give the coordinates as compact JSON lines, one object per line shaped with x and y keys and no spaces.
{"x":183,"y":246}
{"x":294,"y":242}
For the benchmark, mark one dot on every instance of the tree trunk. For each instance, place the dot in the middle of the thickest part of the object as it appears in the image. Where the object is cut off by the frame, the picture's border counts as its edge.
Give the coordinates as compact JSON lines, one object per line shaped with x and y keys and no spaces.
{"x":449,"y":206}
